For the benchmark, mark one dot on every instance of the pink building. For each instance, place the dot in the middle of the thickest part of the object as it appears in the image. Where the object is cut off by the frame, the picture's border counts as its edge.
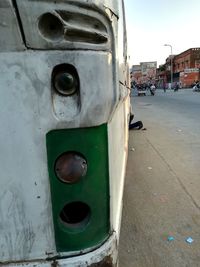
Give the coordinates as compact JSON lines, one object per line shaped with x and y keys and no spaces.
{"x":144,"y":73}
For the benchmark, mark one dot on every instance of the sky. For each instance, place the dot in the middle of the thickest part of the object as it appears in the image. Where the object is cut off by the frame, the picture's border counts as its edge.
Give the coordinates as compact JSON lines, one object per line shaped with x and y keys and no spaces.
{"x":153,"y":23}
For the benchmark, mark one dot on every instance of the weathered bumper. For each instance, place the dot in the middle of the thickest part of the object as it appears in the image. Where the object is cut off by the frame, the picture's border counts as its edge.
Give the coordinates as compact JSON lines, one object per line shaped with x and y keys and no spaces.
{"x":104,"y":256}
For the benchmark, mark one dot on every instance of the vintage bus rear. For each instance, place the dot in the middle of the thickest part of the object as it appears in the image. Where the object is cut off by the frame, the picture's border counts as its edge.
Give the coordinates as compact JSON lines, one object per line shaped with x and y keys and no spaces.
{"x":63,"y":138}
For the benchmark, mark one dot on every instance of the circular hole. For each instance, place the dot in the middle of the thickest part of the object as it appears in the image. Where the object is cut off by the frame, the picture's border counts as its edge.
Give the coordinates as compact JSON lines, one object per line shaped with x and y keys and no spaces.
{"x":70,"y":167}
{"x":75,"y":214}
{"x":65,"y":83}
{"x":50,"y":27}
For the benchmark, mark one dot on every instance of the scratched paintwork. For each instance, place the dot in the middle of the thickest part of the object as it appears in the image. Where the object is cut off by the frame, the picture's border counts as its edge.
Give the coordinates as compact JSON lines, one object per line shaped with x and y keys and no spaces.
{"x":11,"y":39}
{"x":108,"y":249}
{"x":97,"y":9}
{"x":30,"y":109}
{"x":26,"y":117}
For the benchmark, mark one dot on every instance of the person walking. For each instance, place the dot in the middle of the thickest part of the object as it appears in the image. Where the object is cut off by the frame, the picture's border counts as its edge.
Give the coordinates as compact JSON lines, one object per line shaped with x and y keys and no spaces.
{"x":152,"y":89}
{"x":176,"y":87}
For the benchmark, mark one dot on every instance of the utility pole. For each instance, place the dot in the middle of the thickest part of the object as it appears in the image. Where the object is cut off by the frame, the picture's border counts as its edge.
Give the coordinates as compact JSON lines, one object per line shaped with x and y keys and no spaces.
{"x":171,"y":64}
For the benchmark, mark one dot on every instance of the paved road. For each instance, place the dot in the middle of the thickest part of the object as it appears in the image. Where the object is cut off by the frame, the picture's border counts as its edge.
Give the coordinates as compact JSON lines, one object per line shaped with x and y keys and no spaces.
{"x":162,"y":188}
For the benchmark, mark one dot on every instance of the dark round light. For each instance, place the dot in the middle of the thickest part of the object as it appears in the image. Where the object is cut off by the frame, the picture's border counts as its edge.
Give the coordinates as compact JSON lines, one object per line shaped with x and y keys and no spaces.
{"x":75,"y":214}
{"x":70,"y":167}
{"x":65,"y":83}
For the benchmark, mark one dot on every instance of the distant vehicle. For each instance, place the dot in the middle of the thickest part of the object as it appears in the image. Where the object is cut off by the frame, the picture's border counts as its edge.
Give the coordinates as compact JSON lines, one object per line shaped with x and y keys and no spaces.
{"x":196,"y":88}
{"x":141,"y":90}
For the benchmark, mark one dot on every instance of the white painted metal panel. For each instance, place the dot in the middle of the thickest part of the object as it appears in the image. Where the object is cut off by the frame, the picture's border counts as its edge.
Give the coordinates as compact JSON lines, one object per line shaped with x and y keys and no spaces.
{"x":87,"y":260}
{"x":27,"y":114}
{"x":118,"y":151}
{"x":10,"y":39}
{"x":70,"y":15}
{"x":30,"y":108}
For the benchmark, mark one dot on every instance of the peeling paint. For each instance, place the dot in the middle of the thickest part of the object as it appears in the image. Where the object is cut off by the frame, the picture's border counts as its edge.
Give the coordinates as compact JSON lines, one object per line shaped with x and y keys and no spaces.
{"x":17,"y":234}
{"x":106,"y":262}
{"x":111,"y":13}
{"x":55,"y":264}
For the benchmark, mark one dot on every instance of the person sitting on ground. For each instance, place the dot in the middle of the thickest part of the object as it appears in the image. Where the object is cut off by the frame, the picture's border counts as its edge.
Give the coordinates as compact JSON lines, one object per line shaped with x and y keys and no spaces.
{"x":135,"y":125}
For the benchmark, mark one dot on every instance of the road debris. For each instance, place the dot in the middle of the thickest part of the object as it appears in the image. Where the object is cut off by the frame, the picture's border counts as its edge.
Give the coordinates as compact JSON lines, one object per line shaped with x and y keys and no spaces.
{"x":189,"y":240}
{"x":150,"y":168}
{"x":163,"y":198}
{"x":170,"y":238}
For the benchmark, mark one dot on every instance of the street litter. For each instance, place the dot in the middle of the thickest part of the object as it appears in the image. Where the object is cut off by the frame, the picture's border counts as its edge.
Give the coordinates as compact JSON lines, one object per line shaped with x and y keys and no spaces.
{"x":189,"y":240}
{"x":170,"y":238}
{"x":132,"y":149}
{"x":179,"y":130}
{"x":150,"y":168}
{"x":163,"y":198}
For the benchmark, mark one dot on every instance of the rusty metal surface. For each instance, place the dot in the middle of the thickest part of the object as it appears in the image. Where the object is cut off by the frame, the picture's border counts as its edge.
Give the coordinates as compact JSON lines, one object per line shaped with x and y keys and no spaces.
{"x":106,"y":262}
{"x":70,"y":167}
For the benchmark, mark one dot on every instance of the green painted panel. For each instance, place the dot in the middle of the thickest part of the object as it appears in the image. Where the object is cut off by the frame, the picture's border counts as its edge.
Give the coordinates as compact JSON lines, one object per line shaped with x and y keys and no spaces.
{"x":92,"y":189}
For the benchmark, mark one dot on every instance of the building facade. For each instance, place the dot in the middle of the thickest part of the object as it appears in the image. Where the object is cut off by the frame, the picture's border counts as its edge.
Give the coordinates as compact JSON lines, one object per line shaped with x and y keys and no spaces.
{"x":145,"y":73}
{"x":185,"y":69}
{"x":136,"y":74}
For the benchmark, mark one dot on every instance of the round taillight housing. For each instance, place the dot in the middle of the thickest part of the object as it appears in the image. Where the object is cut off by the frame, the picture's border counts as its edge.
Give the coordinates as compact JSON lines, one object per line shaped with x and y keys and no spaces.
{"x":75,"y":215}
{"x":70,"y":167}
{"x":65,"y":83}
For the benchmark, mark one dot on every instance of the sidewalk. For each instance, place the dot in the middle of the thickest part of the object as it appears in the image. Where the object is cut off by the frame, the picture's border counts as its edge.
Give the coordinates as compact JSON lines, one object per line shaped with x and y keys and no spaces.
{"x":157,"y":204}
